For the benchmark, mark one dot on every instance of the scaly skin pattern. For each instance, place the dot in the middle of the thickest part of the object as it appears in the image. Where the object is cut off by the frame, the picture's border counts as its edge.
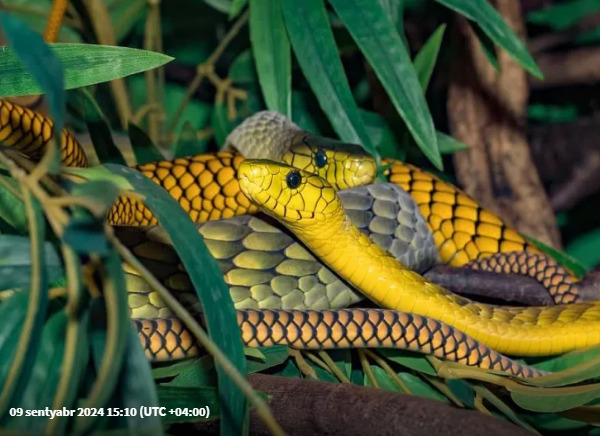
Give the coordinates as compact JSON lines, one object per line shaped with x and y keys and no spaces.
{"x":205,"y":186}
{"x":29,"y":132}
{"x":266,"y":268}
{"x":466,"y":233}
{"x":167,"y":339}
{"x":314,"y":213}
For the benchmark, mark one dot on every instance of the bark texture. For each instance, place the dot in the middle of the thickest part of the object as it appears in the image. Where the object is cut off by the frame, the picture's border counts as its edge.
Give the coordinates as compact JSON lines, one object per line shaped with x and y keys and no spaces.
{"x":308,"y":407}
{"x":487,"y":111}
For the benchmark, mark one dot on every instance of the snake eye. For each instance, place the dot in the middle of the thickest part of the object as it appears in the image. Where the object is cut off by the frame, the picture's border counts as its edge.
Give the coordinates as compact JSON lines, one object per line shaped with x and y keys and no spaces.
{"x":293,"y":179}
{"x":321,"y":159}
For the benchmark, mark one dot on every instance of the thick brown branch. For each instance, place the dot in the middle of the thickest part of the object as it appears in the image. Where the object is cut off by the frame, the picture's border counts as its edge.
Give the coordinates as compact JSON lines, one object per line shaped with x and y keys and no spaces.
{"x":307,"y":407}
{"x":486,"y":110}
{"x":579,"y":66}
{"x":506,"y":288}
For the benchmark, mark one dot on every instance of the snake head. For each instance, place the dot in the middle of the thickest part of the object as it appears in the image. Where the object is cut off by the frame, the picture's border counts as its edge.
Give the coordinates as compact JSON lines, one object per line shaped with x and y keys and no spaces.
{"x":342,"y":165}
{"x":294,"y":197}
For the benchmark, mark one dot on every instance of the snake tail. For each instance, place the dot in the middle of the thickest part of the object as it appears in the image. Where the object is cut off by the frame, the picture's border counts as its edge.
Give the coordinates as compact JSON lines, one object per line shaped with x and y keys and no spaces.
{"x":30,"y":132}
{"x":556,"y":279}
{"x":167,"y":338}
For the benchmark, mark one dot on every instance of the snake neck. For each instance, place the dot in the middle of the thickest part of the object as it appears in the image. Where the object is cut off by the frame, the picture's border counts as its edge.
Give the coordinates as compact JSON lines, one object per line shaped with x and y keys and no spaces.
{"x":526,"y":331}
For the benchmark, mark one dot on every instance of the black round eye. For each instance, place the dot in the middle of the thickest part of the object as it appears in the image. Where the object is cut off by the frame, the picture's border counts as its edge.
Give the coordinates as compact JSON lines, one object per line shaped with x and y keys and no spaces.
{"x":321,"y":159}
{"x":293,"y":179}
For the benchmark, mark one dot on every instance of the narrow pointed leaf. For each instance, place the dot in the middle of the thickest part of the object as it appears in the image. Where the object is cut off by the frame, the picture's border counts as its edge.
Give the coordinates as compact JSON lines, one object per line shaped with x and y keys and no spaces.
{"x":83,"y":65}
{"x":143,"y":147}
{"x":272,"y":54}
{"x":448,"y":144}
{"x":426,"y":59}
{"x":380,"y":43}
{"x":29,"y":339}
{"x":100,"y":133}
{"x":312,"y":39}
{"x":492,"y":23}
{"x":15,"y":262}
{"x":208,"y":282}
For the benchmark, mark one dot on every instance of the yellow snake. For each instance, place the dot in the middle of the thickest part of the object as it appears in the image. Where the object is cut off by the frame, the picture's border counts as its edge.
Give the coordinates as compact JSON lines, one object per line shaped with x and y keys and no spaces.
{"x":172,"y":175}
{"x":309,"y":207}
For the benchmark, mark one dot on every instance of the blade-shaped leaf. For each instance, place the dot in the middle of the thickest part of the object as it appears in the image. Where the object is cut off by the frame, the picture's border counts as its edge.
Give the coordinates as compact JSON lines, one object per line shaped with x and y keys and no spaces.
{"x":449,"y":145}
{"x":427,"y":57}
{"x":83,"y":65}
{"x":208,"y":282}
{"x":15,"y":262}
{"x":312,"y":39}
{"x":272,"y":54}
{"x":491,"y":22}
{"x":377,"y":38}
{"x":99,"y":130}
{"x":29,"y":339}
{"x":143,"y":147}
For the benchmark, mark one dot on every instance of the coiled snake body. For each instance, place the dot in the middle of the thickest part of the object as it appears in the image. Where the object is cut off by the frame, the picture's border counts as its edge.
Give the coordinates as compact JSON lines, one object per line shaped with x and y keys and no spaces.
{"x":207,"y":183}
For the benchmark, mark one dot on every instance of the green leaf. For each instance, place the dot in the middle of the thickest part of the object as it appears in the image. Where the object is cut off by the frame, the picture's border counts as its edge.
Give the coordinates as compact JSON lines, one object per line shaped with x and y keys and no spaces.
{"x":409,"y":360}
{"x":173,"y":397}
{"x":33,"y":59}
{"x":569,"y":368}
{"x":83,"y":65}
{"x":303,"y":115}
{"x":273,"y":356}
{"x":199,"y":374}
{"x":502,"y":407}
{"x":172,"y":369}
{"x":243,"y":69}
{"x":137,"y":389}
{"x":15,"y":262}
{"x":12,"y":313}
{"x":561,"y":257}
{"x":221,"y":124}
{"x":85,"y":235}
{"x":12,"y":209}
{"x":554,"y":399}
{"x":381,"y":45}
{"x":207,"y":280}
{"x":272,"y":54}
{"x":487,"y":45}
{"x":312,"y":39}
{"x":493,"y":25}
{"x":29,"y":339}
{"x":41,"y":388}
{"x":236,"y":7}
{"x":563,"y":15}
{"x":449,"y":145}
{"x":145,"y":151}
{"x":99,"y":130}
{"x":109,"y":359}
{"x":426,"y":59}
{"x":220,"y":5}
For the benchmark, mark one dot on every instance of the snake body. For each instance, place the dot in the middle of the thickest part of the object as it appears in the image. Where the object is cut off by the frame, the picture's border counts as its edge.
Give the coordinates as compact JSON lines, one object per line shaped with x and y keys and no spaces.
{"x":180,"y":180}
{"x":310,"y":208}
{"x":267,"y":268}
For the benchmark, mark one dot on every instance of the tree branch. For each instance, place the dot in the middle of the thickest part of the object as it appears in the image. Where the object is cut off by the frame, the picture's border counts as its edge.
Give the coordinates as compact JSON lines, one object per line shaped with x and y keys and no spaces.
{"x":486,"y":111}
{"x":308,"y":407}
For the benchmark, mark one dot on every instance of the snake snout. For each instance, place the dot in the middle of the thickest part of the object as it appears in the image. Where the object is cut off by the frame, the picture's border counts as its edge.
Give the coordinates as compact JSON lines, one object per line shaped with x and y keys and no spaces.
{"x":359,"y":172}
{"x":250,"y":178}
